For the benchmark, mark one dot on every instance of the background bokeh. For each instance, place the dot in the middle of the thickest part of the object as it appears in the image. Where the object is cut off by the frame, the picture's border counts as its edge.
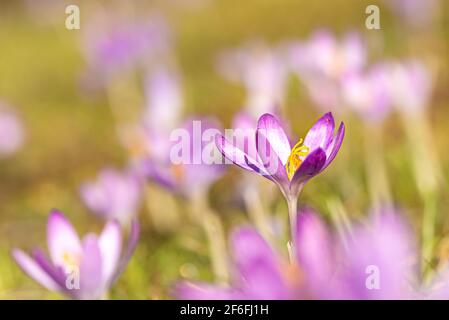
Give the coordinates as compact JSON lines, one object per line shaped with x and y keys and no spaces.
{"x":70,"y":130}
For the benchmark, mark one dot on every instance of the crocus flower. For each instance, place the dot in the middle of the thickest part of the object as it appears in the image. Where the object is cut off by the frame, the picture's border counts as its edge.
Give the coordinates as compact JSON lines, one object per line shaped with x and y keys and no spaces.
{"x":192,"y":164}
{"x":368,"y":93}
{"x":324,"y":56}
{"x":411,"y":86}
{"x":80,"y":269}
{"x":260,"y":273}
{"x":164,"y":100}
{"x":415,"y":13}
{"x":378,"y":260}
{"x":322,"y":62}
{"x":11,"y":132}
{"x":114,"y":44}
{"x":262,"y":71}
{"x":289,"y":167}
{"x":113,"y":196}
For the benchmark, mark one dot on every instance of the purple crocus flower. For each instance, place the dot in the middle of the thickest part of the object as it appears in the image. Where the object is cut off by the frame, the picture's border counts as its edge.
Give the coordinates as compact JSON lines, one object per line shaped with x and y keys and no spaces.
{"x":368,"y":93}
{"x":193,"y":163}
{"x":324,"y":56}
{"x":322,"y":62}
{"x":289,"y":167}
{"x":113,"y":196}
{"x":80,"y":269}
{"x":375,"y":261}
{"x":261,"y":70}
{"x":11,"y":132}
{"x":411,"y":86}
{"x":260,"y":273}
{"x":114,"y":44}
{"x":415,"y":13}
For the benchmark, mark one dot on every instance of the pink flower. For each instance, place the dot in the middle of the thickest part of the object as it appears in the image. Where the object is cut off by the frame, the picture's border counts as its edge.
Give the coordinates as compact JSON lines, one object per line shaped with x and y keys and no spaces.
{"x":80,"y":269}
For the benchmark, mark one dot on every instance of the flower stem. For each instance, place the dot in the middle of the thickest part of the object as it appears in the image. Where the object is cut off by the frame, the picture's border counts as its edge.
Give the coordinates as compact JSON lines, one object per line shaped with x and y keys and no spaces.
{"x":378,"y":184}
{"x":257,"y":213}
{"x":292,"y":203}
{"x":427,"y":172}
{"x":213,"y":228}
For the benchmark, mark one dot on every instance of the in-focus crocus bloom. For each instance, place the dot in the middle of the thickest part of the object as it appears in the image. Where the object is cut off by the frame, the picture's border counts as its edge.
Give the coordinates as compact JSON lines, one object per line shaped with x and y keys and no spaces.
{"x":80,"y":269}
{"x":11,"y":132}
{"x":289,"y":166}
{"x":113,"y":196}
{"x":260,"y":273}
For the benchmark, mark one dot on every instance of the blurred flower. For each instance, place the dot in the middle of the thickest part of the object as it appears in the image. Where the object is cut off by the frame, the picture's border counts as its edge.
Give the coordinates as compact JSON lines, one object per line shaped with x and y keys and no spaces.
{"x":262,"y":71}
{"x":411,"y":86}
{"x":11,"y":132}
{"x":322,"y":63}
{"x":376,"y":261}
{"x":164,"y":100}
{"x":80,"y":269}
{"x":199,"y":167}
{"x":113,"y":196}
{"x":260,"y":273}
{"x":368,"y":93}
{"x":290,"y":168}
{"x":114,"y":44}
{"x":416,"y":13}
{"x":380,"y":251}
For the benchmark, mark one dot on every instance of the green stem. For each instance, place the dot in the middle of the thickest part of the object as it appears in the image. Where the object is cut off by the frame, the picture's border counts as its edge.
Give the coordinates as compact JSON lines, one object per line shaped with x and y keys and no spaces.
{"x":292,"y":203}
{"x":213,"y":228}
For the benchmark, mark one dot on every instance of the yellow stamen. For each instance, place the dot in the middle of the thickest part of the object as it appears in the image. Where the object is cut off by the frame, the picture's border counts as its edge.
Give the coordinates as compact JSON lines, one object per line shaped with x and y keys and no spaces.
{"x":295,"y":158}
{"x":70,"y":259}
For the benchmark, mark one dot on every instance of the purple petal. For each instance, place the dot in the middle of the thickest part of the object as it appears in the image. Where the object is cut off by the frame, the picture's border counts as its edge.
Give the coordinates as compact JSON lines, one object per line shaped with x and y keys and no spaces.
{"x":90,"y":270}
{"x":269,"y":128}
{"x":34,"y":270}
{"x":238,"y":156}
{"x":321,"y":134}
{"x":335,"y":146}
{"x":314,"y":252}
{"x":258,"y":266}
{"x":110,"y":243}
{"x":133,"y":240}
{"x":385,"y":247}
{"x":202,"y":291}
{"x":62,"y":238}
{"x":310,"y":167}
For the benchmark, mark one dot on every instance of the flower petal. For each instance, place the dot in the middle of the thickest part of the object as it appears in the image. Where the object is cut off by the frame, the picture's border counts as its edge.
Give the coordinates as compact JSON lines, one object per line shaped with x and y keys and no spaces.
{"x":314,"y":252}
{"x":336,"y":144}
{"x":90,"y":270}
{"x":110,"y":243}
{"x":34,"y":270}
{"x":321,"y":133}
{"x":133,"y":239}
{"x":311,"y":166}
{"x":61,"y":238}
{"x":258,"y":266}
{"x":269,"y":127}
{"x":239,"y":157}
{"x":202,"y":291}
